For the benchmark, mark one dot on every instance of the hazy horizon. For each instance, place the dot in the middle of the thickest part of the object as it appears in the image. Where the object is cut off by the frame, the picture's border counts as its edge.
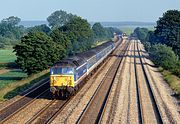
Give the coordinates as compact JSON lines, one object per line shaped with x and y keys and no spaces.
{"x":101,"y":21}
{"x":105,"y":24}
{"x":93,"y":11}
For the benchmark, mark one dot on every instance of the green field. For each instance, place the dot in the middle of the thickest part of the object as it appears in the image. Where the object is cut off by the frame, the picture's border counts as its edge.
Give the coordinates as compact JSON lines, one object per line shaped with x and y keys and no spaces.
{"x":151,"y":28}
{"x":11,"y":77}
{"x":7,"y":56}
{"x":129,"y":30}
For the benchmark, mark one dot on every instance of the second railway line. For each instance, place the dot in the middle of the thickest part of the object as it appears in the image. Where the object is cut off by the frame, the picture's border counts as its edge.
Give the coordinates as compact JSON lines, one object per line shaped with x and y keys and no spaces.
{"x":95,"y":107}
{"x":149,"y":112}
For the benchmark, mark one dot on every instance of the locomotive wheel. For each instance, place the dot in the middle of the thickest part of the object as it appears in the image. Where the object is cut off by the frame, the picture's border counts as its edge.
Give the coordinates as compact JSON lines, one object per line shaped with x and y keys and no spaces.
{"x":67,"y":95}
{"x":53,"y":96}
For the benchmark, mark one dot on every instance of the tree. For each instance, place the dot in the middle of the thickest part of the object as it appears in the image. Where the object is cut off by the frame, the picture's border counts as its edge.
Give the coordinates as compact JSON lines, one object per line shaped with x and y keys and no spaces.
{"x":9,"y":28}
{"x":151,"y":37}
{"x":12,"y":20}
{"x":168,"y":30}
{"x":60,"y":38}
{"x":79,"y":32}
{"x":37,"y":52}
{"x":40,"y":28}
{"x":7,"y":41}
{"x":59,"y":18}
{"x":111,"y":30}
{"x":99,"y":31}
{"x":141,"y":33}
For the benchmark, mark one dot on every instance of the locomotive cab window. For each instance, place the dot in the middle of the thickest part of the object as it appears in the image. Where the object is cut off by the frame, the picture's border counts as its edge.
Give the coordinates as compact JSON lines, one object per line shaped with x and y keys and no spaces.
{"x":62,"y":70}
{"x":67,"y":70}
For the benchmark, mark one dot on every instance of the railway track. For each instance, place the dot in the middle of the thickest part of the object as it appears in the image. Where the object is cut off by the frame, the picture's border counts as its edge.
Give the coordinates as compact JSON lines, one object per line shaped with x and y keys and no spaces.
{"x":49,"y":112}
{"x":94,"y":109}
{"x":163,"y":108}
{"x":116,"y":92}
{"x":137,"y":90}
{"x":147,"y":105}
{"x":133,"y":108}
{"x":13,"y":108}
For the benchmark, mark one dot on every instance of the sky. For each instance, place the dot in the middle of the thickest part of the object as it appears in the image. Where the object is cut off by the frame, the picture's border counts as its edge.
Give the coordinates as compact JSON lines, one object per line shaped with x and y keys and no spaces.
{"x":92,"y":10}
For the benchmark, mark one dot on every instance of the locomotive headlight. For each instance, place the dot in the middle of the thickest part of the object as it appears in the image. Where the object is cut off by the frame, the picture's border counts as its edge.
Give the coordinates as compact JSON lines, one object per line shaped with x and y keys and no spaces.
{"x":54,"y":80}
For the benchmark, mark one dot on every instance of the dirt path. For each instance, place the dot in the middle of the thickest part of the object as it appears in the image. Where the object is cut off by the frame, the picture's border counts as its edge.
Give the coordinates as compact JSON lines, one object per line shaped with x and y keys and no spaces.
{"x":2,"y":71}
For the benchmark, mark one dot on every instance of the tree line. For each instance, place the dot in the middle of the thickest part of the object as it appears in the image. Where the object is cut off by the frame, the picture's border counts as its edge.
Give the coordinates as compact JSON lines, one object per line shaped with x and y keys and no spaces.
{"x":66,"y":34}
{"x":10,"y":31}
{"x":163,"y":44}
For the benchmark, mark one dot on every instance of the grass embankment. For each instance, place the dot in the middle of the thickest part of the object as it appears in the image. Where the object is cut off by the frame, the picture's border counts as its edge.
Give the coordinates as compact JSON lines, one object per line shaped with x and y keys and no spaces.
{"x":173,"y":81}
{"x":12,"y":89}
{"x":11,"y":77}
{"x":99,"y":42}
{"x":7,"y":56}
{"x":15,"y":81}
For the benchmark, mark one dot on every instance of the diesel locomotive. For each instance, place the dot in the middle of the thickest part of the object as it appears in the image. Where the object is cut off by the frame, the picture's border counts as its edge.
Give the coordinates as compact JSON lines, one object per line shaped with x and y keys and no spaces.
{"x":67,"y":74}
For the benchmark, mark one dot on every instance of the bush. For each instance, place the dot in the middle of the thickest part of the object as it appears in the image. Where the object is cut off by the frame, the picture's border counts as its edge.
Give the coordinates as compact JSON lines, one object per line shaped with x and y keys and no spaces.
{"x":4,"y":42}
{"x":2,"y":46}
{"x":164,"y":56}
{"x":147,"y":46}
{"x":176,"y":70}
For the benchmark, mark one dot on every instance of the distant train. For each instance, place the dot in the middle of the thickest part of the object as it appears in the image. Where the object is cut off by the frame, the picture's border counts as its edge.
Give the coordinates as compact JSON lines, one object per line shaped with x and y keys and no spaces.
{"x":67,"y":74}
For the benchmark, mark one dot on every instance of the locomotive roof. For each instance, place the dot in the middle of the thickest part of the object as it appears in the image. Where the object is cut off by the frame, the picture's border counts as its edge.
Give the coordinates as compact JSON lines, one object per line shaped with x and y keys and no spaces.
{"x":80,"y":58}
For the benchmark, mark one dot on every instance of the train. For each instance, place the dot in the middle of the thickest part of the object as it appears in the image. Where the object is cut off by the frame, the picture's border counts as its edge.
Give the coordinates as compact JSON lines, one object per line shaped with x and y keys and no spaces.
{"x":67,"y":74}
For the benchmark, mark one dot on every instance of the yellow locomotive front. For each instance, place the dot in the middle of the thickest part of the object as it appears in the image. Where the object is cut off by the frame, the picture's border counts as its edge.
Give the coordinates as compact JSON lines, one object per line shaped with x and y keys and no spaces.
{"x":61,"y":80}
